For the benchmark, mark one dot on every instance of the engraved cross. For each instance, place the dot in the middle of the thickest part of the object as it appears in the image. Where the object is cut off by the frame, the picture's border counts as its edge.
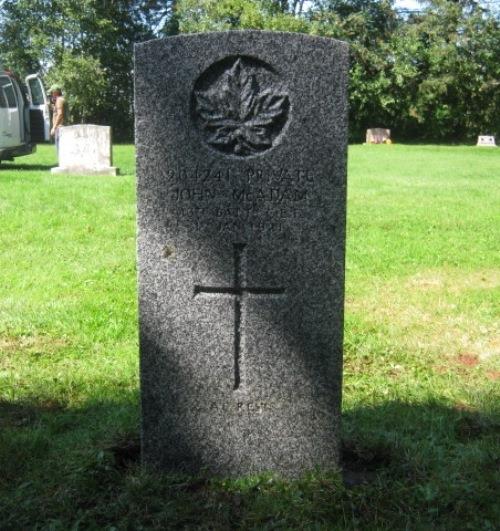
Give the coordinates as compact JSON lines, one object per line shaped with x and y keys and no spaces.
{"x":239,"y":290}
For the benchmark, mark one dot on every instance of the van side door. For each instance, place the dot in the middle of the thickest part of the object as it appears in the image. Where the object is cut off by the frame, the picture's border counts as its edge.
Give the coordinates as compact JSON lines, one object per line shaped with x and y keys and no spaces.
{"x":39,"y":109}
{"x":10,"y":114}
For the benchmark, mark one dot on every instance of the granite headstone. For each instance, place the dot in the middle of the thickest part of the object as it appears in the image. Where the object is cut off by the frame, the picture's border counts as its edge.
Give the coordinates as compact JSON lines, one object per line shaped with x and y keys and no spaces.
{"x":85,"y":149}
{"x":241,"y":164}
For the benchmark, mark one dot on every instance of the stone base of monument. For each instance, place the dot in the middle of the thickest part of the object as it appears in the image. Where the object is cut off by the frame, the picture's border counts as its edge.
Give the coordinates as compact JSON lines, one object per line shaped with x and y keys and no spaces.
{"x":85,"y":149}
{"x":78,"y":170}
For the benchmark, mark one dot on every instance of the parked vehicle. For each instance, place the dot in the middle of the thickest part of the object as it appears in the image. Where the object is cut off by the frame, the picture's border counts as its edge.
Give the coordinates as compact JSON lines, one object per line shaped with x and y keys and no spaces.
{"x":24,"y":115}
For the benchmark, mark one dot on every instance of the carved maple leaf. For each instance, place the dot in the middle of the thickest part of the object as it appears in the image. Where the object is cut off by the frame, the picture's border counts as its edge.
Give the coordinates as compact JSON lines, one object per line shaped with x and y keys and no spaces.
{"x":239,"y":116}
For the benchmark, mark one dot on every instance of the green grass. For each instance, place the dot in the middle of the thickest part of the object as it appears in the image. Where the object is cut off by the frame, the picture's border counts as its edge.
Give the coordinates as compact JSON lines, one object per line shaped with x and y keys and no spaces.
{"x":421,"y":394}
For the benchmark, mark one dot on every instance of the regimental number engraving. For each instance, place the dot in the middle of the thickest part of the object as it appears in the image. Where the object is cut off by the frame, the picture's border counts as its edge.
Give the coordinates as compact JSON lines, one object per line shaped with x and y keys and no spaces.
{"x":240,"y":106}
{"x":239,"y":290}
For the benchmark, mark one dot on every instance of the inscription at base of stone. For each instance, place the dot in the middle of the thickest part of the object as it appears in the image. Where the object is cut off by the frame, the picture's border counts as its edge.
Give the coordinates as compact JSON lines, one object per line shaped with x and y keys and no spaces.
{"x":241,"y":184}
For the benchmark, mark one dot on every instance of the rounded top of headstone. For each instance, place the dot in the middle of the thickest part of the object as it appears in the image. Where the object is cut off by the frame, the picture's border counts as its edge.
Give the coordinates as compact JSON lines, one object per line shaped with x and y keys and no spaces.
{"x":241,"y":34}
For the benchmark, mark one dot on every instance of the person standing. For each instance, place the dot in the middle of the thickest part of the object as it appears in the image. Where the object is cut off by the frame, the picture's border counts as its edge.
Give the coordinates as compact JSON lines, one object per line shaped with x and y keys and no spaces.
{"x":58,"y":109}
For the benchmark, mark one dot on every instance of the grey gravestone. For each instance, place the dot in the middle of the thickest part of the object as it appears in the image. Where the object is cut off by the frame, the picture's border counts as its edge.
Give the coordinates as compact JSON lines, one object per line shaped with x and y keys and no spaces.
{"x":378,"y":135}
{"x":85,"y":149}
{"x":241,"y":160}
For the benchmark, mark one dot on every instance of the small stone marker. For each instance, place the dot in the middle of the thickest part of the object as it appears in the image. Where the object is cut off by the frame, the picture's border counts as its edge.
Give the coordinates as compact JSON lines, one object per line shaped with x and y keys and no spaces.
{"x":378,"y":135}
{"x":85,"y":150}
{"x":241,"y":165}
{"x":487,"y":141}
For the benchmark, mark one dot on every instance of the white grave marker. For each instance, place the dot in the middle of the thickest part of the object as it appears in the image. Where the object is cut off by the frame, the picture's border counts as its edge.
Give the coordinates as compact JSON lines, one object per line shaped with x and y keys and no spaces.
{"x":85,"y":150}
{"x":378,"y":135}
{"x":487,"y":141}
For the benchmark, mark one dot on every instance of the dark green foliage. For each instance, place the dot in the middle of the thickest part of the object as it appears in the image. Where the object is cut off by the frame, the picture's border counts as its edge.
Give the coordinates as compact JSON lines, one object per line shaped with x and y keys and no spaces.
{"x":85,"y":45}
{"x":447,"y":72}
{"x":430,"y":75}
{"x":433,"y":75}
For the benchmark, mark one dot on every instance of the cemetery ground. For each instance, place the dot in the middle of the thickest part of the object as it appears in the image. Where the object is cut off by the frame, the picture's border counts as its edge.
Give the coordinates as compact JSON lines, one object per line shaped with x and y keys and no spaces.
{"x":420,"y":403}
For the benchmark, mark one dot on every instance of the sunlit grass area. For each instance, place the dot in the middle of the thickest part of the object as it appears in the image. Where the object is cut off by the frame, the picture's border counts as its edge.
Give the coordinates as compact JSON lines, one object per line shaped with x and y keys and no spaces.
{"x":422,"y":346}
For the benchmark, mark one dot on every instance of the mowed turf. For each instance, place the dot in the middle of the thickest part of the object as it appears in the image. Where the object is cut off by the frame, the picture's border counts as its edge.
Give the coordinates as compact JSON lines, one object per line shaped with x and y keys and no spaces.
{"x":421,"y":388}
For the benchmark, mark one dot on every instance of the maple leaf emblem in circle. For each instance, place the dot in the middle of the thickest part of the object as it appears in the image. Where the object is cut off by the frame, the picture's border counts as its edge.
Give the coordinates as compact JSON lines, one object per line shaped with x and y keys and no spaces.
{"x":238,"y":116}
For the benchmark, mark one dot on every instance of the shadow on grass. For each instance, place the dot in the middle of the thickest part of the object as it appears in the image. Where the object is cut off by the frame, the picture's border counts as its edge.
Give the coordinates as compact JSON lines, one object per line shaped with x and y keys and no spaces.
{"x":375,"y":437}
{"x":22,"y":415}
{"x":26,"y":167}
{"x":83,"y":464}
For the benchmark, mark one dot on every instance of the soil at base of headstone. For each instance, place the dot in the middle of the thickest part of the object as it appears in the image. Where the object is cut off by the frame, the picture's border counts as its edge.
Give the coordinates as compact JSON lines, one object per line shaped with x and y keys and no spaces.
{"x":361,"y":465}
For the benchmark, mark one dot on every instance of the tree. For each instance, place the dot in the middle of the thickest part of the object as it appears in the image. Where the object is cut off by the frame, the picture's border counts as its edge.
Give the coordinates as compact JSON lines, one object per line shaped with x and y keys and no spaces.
{"x":368,"y":26}
{"x":367,"y":30}
{"x":433,"y":74}
{"x":88,"y":42}
{"x":447,"y":64}
{"x":82,"y":98}
{"x":22,"y":36}
{"x":220,"y":15}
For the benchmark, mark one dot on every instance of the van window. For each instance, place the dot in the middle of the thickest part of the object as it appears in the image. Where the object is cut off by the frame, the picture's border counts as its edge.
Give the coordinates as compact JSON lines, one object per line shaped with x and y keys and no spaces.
{"x":3,"y":101}
{"x":8,"y":92}
{"x":36,"y":90}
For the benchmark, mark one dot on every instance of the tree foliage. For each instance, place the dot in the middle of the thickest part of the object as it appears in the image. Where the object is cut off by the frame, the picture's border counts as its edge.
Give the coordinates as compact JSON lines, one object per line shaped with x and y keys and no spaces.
{"x":428,"y":75}
{"x":447,"y":71}
{"x":85,"y":45}
{"x":83,"y":99}
{"x":433,"y":75}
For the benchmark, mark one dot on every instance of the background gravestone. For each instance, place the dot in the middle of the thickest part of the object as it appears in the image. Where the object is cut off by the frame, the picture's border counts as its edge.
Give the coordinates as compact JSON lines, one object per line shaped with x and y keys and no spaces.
{"x":85,"y":149}
{"x":378,"y":135}
{"x":486,"y":140}
{"x":241,"y":164}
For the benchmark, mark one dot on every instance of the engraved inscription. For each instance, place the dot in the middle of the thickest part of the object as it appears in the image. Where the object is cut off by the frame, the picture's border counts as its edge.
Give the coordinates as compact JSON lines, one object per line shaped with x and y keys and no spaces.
{"x":246,"y":174}
{"x":240,"y":106}
{"x":256,"y":408}
{"x":273,"y":195}
{"x":240,"y":195}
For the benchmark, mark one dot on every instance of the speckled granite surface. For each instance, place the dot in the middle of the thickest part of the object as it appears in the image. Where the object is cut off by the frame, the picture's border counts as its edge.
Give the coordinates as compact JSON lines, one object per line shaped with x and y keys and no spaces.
{"x":241,"y":164}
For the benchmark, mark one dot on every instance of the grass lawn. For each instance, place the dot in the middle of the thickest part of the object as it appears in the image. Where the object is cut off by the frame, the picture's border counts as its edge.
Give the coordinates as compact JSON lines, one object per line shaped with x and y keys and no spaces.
{"x":422,"y":342}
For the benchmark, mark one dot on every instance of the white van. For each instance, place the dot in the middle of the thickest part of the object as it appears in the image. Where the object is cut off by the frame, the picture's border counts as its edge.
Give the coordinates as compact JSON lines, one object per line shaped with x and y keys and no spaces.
{"x":24,"y":115}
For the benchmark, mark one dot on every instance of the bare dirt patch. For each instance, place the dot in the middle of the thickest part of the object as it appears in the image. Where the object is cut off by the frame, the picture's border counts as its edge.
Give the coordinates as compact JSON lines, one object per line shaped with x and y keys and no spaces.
{"x":126,"y":451}
{"x":467,"y":359}
{"x":361,"y":464}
